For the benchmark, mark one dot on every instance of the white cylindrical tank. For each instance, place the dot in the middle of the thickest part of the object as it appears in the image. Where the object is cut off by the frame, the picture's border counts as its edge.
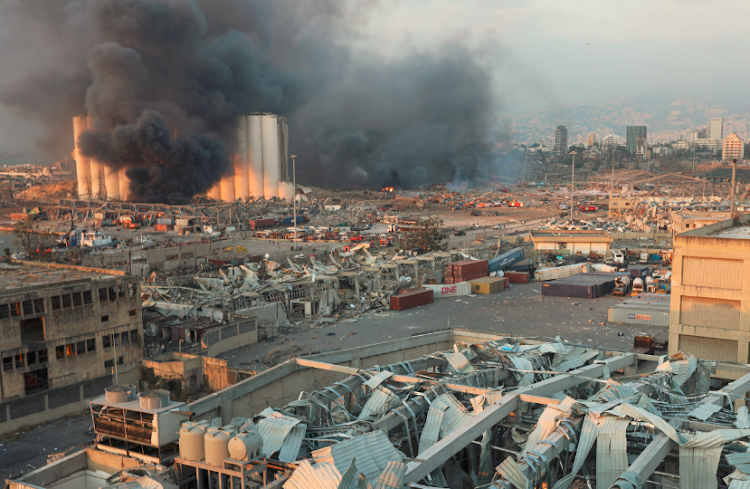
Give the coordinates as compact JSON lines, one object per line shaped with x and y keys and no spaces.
{"x":124,"y":184}
{"x":649,"y":280}
{"x":271,"y":171}
{"x":255,"y":155}
{"x":118,"y":394}
{"x":214,"y":192}
{"x":241,"y":168}
{"x":226,"y":186}
{"x":216,"y":445}
{"x":83,"y":164}
{"x":601,"y":267}
{"x":192,"y":440}
{"x":111,"y":182}
{"x":638,"y":284}
{"x":246,"y":446}
{"x":154,"y":399}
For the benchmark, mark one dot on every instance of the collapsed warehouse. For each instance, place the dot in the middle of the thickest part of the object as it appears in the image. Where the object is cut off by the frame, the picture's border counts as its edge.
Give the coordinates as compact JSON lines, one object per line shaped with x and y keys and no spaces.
{"x":478,"y":411}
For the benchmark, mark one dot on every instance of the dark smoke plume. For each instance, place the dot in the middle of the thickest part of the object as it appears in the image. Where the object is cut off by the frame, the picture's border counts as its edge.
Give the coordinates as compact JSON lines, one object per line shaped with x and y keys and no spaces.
{"x":165,"y":79}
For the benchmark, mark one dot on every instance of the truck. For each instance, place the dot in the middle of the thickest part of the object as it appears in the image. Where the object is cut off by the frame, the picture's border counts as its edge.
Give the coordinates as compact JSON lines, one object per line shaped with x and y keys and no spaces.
{"x":616,"y":258}
{"x":587,"y":208}
{"x":643,"y":258}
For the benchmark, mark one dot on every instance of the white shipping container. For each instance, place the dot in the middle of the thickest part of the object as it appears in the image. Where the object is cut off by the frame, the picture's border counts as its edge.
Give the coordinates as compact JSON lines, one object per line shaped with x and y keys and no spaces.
{"x":449,"y":290}
{"x":544,"y":274}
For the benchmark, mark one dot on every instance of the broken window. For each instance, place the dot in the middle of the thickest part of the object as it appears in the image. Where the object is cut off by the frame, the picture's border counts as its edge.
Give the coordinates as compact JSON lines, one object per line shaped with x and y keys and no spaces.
{"x":31,"y":358}
{"x":77,"y":299}
{"x":19,"y":360}
{"x":133,"y":313}
{"x":55,"y":299}
{"x":87,"y":297}
{"x":105,"y":318}
{"x":109,"y":363}
{"x":91,"y":345}
{"x":120,"y":360}
{"x":60,"y":352}
{"x":112,"y":294}
{"x":80,"y":347}
{"x":122,"y":291}
{"x":38,"y":306}
{"x":4,"y":311}
{"x":36,"y":381}
{"x":28,"y":308}
{"x":7,"y":364}
{"x":42,"y":355}
{"x":70,"y":349}
{"x":131,"y":290}
{"x":106,"y":342}
{"x":15,"y":309}
{"x":102,"y":295}
{"x":125,"y":338}
{"x":66,"y":302}
{"x":134,"y":336}
{"x":117,"y":339}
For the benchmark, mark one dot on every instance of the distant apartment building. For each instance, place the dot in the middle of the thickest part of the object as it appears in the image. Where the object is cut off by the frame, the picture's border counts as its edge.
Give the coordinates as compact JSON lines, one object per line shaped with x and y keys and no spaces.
{"x":561,"y":141}
{"x":715,"y":128}
{"x":733,"y":148}
{"x":636,"y":136}
{"x":591,"y":140}
{"x":608,"y":142}
{"x":64,"y":331}
{"x":681,"y":144}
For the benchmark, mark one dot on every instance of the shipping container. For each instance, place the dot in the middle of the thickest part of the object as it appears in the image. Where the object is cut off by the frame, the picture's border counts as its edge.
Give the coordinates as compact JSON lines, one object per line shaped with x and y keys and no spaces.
{"x":290,"y":219}
{"x":262,"y":223}
{"x":465,"y":268}
{"x":164,"y":220}
{"x":642,"y":314}
{"x":487,"y":285}
{"x":554,"y":273}
{"x":455,"y":280}
{"x":449,"y":290}
{"x":412,"y":298}
{"x":162,"y":227}
{"x":182,"y":222}
{"x":99,"y":215}
{"x":586,"y":286}
{"x":640,"y":271}
{"x":18,"y":216}
{"x":517,"y":277}
{"x":505,"y":260}
{"x":506,"y":283}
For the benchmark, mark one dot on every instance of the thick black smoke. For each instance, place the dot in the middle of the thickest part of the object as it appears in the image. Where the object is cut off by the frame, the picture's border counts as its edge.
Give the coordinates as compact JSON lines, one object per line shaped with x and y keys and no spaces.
{"x":165,"y":79}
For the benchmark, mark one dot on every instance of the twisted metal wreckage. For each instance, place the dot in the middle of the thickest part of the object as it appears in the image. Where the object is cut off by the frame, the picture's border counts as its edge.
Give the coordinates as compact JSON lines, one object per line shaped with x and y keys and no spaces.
{"x":508,"y":413}
{"x":351,"y":282}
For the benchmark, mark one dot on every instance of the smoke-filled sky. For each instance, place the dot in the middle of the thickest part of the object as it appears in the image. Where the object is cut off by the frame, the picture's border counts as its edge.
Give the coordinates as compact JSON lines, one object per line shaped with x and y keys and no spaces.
{"x":368,"y":88}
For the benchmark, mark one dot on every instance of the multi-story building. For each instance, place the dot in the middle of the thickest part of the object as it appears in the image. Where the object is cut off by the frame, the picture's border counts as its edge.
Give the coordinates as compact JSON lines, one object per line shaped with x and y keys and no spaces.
{"x":715,"y":128}
{"x":733,"y":148}
{"x":561,"y":141}
{"x":710,"y":292}
{"x":591,"y":140}
{"x":681,"y":144}
{"x":637,"y":136}
{"x":64,"y":331}
{"x":609,"y":142}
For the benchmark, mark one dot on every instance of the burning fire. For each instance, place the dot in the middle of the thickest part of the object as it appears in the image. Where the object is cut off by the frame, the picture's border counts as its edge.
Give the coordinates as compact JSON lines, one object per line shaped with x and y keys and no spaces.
{"x":387,"y":189}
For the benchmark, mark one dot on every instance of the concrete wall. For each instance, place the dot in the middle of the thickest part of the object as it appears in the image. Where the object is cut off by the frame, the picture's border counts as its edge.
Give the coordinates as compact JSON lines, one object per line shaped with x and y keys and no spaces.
{"x":225,"y":338}
{"x":53,"y":404}
{"x":710,"y":296}
{"x":283,"y":383}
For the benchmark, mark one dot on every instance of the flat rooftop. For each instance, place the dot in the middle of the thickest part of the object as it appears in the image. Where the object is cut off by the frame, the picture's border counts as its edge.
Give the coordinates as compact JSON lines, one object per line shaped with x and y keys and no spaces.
{"x":701,"y":216}
{"x":578,"y":236}
{"x":735,"y":232}
{"x":19,"y":275}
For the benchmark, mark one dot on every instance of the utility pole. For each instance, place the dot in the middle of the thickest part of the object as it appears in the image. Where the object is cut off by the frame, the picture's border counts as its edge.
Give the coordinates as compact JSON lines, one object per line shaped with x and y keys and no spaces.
{"x":525,"y":159}
{"x":734,"y":171}
{"x":572,"y":184}
{"x":294,"y":197}
{"x":693,"y":159}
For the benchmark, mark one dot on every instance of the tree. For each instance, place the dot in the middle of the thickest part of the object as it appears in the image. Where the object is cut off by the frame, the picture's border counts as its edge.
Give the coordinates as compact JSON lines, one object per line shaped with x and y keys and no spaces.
{"x":28,"y":238}
{"x":426,"y":237}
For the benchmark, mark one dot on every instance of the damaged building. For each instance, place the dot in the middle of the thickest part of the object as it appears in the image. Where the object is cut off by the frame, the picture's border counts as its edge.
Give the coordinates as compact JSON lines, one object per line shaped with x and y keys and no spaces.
{"x":447,"y":409}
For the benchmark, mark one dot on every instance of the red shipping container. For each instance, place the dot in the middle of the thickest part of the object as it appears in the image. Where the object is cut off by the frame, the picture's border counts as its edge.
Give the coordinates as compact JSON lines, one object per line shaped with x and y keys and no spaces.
{"x":506,"y":284}
{"x":517,"y":277}
{"x":162,"y":227}
{"x":262,"y":223}
{"x":466,"y":267}
{"x":456,"y":280}
{"x":413,"y":298}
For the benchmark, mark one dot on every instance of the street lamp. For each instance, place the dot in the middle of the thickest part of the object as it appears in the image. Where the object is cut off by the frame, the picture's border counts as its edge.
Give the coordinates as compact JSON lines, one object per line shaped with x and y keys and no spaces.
{"x":294,"y":197}
{"x":572,"y":183}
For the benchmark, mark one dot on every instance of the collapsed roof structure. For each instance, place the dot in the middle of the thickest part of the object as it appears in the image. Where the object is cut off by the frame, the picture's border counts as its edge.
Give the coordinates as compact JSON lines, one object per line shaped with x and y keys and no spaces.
{"x":479,"y":411}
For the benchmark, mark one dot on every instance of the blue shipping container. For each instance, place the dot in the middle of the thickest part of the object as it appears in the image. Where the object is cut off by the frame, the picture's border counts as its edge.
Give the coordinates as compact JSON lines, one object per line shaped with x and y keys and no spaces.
{"x":505,"y":260}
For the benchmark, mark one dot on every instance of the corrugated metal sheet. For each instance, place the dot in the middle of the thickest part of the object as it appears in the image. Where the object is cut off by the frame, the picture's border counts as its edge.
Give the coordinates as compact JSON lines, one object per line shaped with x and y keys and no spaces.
{"x":431,"y":431}
{"x":743,"y":418}
{"x":372,"y":450}
{"x":445,"y":415}
{"x":698,"y":466}
{"x":739,"y":460}
{"x":459,"y":362}
{"x":589,"y":432}
{"x":738,"y":484}
{"x":548,"y":422}
{"x":292,"y":443}
{"x":274,"y":430}
{"x":639,"y":413}
{"x":573,"y":360}
{"x":378,"y":379}
{"x":510,"y":470}
{"x":392,"y":477}
{"x":611,"y":451}
{"x":522,"y":363}
{"x":319,"y":476}
{"x":380,"y":402}
{"x":704,"y":411}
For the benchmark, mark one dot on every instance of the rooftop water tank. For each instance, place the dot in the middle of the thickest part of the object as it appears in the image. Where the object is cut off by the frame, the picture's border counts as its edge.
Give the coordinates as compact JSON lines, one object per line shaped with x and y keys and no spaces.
{"x":216,"y":445}
{"x":155,"y":399}
{"x":191,"y":440}
{"x":246,"y":446}
{"x":117,"y":394}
